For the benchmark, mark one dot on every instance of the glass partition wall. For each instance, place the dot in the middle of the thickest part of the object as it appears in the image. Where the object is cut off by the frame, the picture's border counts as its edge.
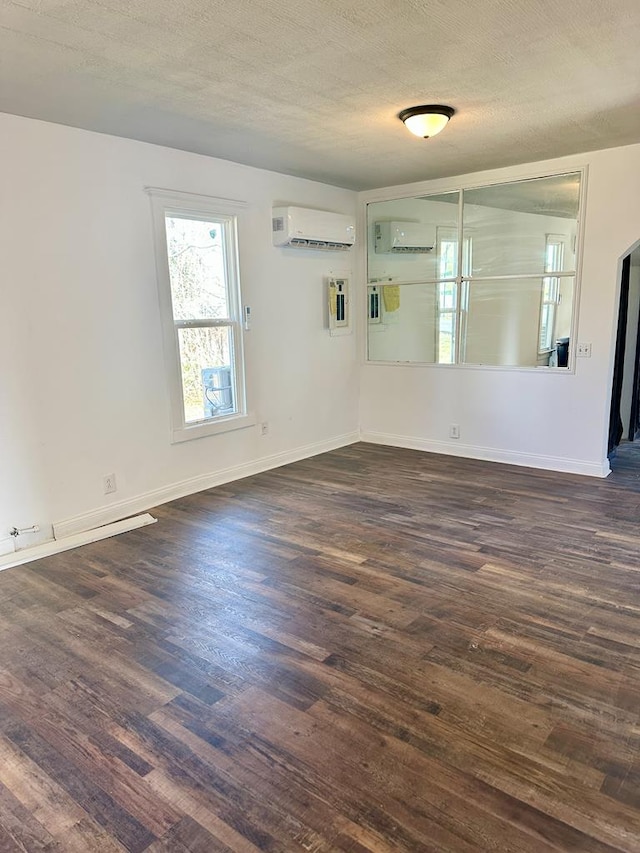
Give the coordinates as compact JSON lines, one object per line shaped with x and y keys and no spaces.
{"x":482,"y":276}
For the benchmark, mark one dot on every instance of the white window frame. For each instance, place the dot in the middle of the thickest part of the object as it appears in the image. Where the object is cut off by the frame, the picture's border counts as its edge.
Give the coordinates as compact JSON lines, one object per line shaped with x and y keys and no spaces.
{"x":226,"y":211}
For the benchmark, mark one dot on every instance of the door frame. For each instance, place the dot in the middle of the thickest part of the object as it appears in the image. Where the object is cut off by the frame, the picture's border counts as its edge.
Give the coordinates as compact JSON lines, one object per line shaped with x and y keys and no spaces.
{"x":616,"y":427}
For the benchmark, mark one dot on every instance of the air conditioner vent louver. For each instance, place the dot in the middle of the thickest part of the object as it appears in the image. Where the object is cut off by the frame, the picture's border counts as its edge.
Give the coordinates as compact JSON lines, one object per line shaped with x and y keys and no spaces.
{"x":321,"y":245}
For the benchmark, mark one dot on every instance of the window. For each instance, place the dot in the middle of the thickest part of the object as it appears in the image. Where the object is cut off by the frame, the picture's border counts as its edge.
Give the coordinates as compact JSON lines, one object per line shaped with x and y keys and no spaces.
{"x":501,"y":286}
{"x":199,"y":289}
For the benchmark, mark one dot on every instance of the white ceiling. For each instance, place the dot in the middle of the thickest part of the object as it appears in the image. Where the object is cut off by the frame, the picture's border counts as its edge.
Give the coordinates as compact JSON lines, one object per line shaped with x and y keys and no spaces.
{"x":313,"y":87}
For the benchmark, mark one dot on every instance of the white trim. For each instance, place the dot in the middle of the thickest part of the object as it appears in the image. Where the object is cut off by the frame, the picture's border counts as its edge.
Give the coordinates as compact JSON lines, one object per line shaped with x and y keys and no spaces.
{"x":140,"y":503}
{"x":213,"y":427}
{"x":491,"y":454}
{"x":56,"y":546}
{"x":226,"y":211}
{"x":478,"y":180}
{"x":194,"y":201}
{"x":7,"y":546}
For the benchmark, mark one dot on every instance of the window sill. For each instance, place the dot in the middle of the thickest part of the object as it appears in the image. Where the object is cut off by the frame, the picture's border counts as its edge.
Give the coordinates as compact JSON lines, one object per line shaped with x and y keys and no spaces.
{"x":216,"y":427}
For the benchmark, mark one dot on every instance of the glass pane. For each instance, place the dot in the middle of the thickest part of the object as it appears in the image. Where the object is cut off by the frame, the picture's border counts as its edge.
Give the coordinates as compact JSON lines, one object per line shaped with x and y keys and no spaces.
{"x":554,"y":260}
{"x":447,"y":296}
{"x":503,"y":322}
{"x":563,"y":308}
{"x":447,"y":247}
{"x":446,"y":339}
{"x":511,"y":225}
{"x":206,"y":363}
{"x":550,"y":288}
{"x":197,"y":271}
{"x":403,"y":237}
{"x":408,"y":325}
{"x":546,"y":326}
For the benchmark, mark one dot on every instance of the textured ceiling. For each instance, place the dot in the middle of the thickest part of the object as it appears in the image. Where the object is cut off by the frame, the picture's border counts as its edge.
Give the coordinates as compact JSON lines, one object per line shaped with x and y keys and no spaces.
{"x":313,"y":87}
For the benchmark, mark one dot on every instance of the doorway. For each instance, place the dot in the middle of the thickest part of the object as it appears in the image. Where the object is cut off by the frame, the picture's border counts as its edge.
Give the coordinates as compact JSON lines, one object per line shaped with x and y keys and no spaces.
{"x":624,"y":421}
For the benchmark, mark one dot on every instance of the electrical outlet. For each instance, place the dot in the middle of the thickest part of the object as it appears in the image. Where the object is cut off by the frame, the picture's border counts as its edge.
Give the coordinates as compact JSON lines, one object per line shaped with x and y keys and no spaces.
{"x":454,"y":431}
{"x":584,"y":351}
{"x":109,"y":483}
{"x":264,"y":428}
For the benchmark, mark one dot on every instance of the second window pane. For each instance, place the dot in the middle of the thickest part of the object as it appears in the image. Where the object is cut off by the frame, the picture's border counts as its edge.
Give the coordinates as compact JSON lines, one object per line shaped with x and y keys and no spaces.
{"x":207,"y":373}
{"x":503,"y":322}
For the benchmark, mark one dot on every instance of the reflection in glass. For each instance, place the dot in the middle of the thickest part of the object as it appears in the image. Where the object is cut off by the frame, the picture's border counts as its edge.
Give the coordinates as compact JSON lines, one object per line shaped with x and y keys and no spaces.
{"x":447,"y":246}
{"x":424,"y":216}
{"x":499,"y":327}
{"x":408,"y":324}
{"x":447,"y":295}
{"x":374,"y":304}
{"x":554,"y":261}
{"x":503,"y":294}
{"x":508,"y":223}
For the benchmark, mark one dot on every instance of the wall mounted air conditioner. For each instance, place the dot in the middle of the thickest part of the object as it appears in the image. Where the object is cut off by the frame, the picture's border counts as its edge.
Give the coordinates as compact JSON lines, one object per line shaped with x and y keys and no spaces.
{"x":405,"y":237}
{"x":304,"y":228}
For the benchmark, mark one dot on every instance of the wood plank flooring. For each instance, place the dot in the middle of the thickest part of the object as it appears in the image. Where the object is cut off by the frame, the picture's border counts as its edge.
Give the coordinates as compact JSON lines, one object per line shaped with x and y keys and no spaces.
{"x":371,"y":650}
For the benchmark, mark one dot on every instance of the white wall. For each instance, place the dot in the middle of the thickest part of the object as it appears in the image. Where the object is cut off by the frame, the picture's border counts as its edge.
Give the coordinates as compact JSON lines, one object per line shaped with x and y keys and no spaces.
{"x":555,"y":420}
{"x":82,"y":390}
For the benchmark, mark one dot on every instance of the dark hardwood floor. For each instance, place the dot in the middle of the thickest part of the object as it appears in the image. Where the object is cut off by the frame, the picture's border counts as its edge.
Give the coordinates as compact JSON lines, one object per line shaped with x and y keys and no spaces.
{"x":371,"y":650}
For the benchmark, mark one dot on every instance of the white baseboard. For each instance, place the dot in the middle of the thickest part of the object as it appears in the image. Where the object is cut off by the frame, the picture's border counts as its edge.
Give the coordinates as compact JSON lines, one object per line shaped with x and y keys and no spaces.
{"x":491,"y":454}
{"x":56,"y":546}
{"x":143,"y":502}
{"x":7,"y":546}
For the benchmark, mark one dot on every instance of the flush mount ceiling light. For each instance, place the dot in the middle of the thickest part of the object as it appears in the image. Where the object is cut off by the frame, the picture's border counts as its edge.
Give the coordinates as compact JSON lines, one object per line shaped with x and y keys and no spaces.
{"x":427,"y":120}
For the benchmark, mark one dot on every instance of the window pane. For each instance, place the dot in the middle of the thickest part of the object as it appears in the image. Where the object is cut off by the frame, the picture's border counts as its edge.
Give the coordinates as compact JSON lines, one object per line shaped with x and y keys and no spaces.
{"x":503,"y":322}
{"x":448,"y":253}
{"x":554,"y":261}
{"x":409,"y":324}
{"x":550,"y":290}
{"x":446,"y":338}
{"x":447,"y":295}
{"x":197,"y":269}
{"x":510,"y":224}
{"x":546,"y":326}
{"x":448,"y":258}
{"x":207,"y":373}
{"x":427,"y":216}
